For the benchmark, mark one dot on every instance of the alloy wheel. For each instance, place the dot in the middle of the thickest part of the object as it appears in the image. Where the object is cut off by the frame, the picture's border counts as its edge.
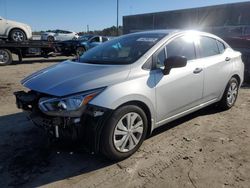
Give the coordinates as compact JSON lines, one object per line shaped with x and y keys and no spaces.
{"x":18,"y":36}
{"x":128,"y":132}
{"x":232,"y":93}
{"x":4,"y":57}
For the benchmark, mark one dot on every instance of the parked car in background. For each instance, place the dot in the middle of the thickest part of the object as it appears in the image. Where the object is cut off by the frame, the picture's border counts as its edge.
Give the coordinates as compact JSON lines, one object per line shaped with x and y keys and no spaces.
{"x":82,"y":44}
{"x":120,"y":91}
{"x":14,"y":31}
{"x":59,"y":35}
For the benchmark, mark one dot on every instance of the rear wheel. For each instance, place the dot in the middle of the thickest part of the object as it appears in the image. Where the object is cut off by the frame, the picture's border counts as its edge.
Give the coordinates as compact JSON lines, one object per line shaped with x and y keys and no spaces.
{"x":230,"y":94}
{"x":17,"y":35}
{"x":51,"y":39}
{"x":5,"y":57}
{"x":124,"y":132}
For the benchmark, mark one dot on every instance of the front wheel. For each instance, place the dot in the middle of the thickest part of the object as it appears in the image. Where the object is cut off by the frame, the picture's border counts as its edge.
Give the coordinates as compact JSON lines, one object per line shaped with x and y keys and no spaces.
{"x":5,"y":57}
{"x":51,"y":39}
{"x":124,"y":132}
{"x":17,"y":35}
{"x":230,"y":94}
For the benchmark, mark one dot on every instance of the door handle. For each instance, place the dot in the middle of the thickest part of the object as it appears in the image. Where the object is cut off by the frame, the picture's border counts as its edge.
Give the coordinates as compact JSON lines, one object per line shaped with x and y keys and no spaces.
{"x":227,"y":59}
{"x":197,"y":70}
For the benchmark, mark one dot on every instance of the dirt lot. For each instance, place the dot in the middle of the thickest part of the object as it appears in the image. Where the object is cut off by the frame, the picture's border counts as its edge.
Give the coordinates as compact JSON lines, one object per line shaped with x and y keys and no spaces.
{"x":208,"y":148}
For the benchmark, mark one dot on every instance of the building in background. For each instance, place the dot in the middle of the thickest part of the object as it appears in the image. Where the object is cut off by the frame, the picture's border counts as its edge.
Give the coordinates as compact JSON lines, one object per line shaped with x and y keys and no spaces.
{"x":236,"y":14}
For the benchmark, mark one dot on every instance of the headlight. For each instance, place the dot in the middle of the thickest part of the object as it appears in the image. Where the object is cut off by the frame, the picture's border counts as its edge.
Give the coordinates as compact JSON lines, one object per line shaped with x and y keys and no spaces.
{"x":72,"y":106}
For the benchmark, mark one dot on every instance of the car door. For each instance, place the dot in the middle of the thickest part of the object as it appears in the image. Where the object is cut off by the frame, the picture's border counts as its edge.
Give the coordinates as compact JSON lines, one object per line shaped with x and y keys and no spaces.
{"x":68,"y":35}
{"x":2,"y":26}
{"x":217,"y":67}
{"x":59,"y":35}
{"x":182,"y":88}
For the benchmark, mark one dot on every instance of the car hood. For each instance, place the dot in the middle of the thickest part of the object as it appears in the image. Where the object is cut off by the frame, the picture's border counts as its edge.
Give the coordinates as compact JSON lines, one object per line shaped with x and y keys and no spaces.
{"x":70,"y":77}
{"x":14,"y":23}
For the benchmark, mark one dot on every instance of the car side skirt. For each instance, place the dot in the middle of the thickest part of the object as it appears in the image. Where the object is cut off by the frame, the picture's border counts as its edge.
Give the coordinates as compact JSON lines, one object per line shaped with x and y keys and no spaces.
{"x":184,"y":113}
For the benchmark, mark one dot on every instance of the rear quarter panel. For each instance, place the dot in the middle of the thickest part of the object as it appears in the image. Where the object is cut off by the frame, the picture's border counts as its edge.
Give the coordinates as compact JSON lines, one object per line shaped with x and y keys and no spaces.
{"x":238,"y":66}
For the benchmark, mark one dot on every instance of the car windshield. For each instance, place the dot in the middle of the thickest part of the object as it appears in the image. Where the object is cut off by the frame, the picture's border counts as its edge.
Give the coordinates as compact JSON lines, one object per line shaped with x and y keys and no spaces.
{"x":123,"y":50}
{"x":52,"y":31}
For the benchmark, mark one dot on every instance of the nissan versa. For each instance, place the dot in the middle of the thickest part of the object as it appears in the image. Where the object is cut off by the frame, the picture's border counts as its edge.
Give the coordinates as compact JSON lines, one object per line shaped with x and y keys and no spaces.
{"x":116,"y":94}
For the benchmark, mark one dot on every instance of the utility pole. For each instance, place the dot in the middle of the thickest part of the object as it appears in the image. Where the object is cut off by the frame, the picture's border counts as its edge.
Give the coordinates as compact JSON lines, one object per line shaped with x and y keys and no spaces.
{"x":117,"y":18}
{"x":87,"y":28}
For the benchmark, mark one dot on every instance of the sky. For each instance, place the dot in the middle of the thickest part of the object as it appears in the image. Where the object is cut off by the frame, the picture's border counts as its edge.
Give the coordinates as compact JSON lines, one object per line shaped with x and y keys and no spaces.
{"x":75,"y":15}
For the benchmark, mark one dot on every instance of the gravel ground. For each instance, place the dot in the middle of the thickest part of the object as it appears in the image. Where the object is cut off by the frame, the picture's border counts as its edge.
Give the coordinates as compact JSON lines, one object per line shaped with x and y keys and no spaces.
{"x":208,"y":148}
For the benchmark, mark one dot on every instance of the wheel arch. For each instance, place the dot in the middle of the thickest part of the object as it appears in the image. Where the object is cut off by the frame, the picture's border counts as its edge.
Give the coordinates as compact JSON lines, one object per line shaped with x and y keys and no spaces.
{"x":237,"y":78}
{"x":13,"y":28}
{"x":85,"y":46}
{"x":146,"y":109}
{"x":235,"y":75}
{"x":82,"y":46}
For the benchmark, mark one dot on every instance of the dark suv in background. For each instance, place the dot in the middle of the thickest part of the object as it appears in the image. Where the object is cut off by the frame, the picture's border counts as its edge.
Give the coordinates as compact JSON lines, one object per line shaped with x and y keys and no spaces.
{"x":82,"y":44}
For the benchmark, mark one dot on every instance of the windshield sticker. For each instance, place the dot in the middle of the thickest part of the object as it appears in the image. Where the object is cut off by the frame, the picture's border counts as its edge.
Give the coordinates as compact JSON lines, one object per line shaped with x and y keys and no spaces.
{"x":147,"y":39}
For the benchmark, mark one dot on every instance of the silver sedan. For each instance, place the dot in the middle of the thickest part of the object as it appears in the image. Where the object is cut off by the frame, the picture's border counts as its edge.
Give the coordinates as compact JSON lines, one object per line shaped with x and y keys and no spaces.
{"x":59,"y":35}
{"x":117,"y":93}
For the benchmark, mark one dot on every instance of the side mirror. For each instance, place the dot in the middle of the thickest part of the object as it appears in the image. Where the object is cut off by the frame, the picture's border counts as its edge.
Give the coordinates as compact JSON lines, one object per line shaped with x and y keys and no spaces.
{"x":174,"y":62}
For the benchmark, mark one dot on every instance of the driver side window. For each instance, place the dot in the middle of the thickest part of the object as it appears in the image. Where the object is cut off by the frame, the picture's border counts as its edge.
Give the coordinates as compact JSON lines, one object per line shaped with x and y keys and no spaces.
{"x":181,"y":46}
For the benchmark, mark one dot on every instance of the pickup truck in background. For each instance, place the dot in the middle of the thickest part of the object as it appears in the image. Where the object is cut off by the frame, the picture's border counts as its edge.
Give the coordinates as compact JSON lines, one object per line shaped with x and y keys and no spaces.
{"x":82,"y":44}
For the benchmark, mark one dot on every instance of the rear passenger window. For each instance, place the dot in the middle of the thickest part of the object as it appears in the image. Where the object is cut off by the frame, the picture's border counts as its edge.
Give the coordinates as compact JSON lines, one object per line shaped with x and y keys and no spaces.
{"x":181,"y":47}
{"x":208,"y":47}
{"x":221,"y":46}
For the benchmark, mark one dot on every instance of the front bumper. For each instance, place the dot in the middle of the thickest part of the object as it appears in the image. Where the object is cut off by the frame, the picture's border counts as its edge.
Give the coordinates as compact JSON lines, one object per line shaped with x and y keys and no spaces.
{"x":29,"y":33}
{"x":86,"y":129}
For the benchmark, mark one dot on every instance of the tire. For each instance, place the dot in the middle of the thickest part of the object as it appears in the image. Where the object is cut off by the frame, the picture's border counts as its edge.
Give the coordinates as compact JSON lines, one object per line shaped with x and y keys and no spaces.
{"x":80,"y":51}
{"x":5,"y":57}
{"x":118,"y":144}
{"x":230,"y":94}
{"x":51,"y":39}
{"x":17,"y":35}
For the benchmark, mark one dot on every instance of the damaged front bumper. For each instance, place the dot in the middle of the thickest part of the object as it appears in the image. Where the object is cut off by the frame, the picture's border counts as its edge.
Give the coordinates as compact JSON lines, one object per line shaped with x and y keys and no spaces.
{"x":87,"y":127}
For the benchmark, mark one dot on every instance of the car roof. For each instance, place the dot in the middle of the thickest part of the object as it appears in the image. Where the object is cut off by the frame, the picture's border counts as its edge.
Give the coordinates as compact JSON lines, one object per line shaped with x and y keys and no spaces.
{"x":173,"y":31}
{"x":178,"y":31}
{"x":160,"y":31}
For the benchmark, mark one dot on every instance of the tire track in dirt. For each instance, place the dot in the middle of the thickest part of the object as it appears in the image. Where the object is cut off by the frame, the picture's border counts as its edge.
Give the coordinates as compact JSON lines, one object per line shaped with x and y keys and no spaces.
{"x":155,"y":156}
